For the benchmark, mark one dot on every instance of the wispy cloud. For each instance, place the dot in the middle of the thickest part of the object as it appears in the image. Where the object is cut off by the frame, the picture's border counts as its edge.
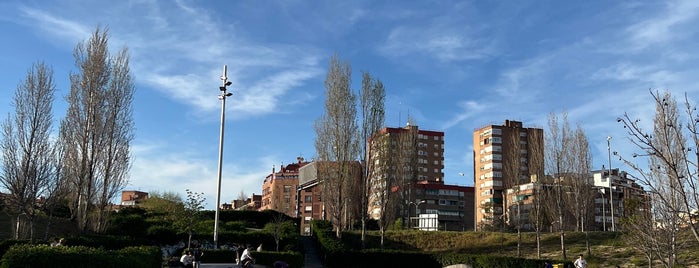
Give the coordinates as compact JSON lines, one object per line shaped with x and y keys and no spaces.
{"x":445,"y":46}
{"x":665,"y":27}
{"x":468,"y":110}
{"x":184,"y":36}
{"x":154,"y":169}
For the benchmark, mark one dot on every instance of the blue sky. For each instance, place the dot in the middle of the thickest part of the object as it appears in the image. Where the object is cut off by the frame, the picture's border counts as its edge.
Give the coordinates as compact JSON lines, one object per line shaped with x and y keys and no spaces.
{"x":453,"y":66}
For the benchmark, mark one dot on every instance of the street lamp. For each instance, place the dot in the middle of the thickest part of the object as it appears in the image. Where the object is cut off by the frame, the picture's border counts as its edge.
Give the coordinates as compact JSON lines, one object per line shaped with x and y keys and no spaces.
{"x":611,"y":193}
{"x":416,"y":208}
{"x":221,"y":97}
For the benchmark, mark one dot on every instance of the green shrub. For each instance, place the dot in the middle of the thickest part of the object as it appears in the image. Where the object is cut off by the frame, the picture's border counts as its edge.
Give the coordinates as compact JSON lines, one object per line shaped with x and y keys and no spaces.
{"x":106,"y":241}
{"x":21,"y":256}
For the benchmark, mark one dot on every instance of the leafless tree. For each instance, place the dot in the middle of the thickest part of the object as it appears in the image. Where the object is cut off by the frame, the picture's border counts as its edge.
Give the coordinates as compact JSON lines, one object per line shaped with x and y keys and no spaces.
{"x":337,"y":144}
{"x":382,"y":182}
{"x":97,"y":130}
{"x":557,"y":163}
{"x":27,"y":150}
{"x":405,"y":160}
{"x":512,"y":178}
{"x":670,"y":176}
{"x":536,"y":208}
{"x":580,"y":197}
{"x":373,"y":96}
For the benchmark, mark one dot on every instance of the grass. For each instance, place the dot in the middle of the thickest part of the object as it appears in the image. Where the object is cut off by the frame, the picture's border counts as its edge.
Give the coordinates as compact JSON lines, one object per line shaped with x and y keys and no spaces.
{"x":607,"y":249}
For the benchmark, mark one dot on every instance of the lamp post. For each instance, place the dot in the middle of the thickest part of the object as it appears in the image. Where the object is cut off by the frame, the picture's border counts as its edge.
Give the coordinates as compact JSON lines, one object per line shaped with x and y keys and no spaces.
{"x":416,"y":208}
{"x":221,"y":97}
{"x":611,"y":193}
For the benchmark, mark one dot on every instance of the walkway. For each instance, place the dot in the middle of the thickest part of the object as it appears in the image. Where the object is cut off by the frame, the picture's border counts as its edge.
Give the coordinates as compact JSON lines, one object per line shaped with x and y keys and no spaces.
{"x":312,"y":257}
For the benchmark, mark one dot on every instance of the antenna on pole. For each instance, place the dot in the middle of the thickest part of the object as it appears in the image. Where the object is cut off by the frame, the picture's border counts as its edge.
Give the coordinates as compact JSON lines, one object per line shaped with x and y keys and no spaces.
{"x":222,"y":97}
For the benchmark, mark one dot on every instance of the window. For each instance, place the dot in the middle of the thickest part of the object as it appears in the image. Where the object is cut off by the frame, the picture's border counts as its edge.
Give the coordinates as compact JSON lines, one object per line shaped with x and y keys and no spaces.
{"x":308,"y":208}
{"x":287,"y":188}
{"x":308,"y":199}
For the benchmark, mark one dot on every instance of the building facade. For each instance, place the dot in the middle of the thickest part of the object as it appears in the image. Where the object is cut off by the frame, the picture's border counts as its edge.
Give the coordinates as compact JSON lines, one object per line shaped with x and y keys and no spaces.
{"x":400,"y":158}
{"x":441,"y":206}
{"x":310,"y":201}
{"x":279,"y":189}
{"x":132,"y":198}
{"x":504,"y":157}
{"x":614,"y":189}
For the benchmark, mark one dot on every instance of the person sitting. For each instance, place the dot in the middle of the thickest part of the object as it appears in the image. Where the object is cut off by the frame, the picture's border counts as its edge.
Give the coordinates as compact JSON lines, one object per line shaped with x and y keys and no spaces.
{"x":187,"y":260}
{"x":246,"y":259}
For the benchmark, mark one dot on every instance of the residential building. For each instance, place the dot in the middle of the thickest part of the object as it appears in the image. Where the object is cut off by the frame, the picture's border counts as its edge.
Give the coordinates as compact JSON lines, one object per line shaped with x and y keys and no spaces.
{"x":614,"y":188}
{"x":132,"y":198}
{"x":401,"y":157}
{"x":279,"y":188}
{"x":440,"y":206}
{"x":310,"y":201}
{"x":505,"y":156}
{"x":251,"y":203}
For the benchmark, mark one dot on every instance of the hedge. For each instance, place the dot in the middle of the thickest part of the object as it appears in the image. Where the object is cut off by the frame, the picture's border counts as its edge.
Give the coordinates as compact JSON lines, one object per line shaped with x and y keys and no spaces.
{"x":26,"y":256}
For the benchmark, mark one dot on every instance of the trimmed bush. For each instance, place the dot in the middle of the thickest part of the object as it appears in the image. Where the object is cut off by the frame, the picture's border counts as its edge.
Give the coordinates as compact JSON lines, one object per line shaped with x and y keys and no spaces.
{"x":26,"y":256}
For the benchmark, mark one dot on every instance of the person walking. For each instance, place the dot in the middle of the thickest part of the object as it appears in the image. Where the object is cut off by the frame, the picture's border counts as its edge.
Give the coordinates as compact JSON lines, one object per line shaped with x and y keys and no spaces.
{"x":580,"y":262}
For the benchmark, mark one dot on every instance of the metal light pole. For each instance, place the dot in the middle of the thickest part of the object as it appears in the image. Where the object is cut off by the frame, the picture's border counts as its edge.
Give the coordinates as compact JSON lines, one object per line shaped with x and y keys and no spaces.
{"x":221,"y":97}
{"x":611,"y":192}
{"x":416,"y":208}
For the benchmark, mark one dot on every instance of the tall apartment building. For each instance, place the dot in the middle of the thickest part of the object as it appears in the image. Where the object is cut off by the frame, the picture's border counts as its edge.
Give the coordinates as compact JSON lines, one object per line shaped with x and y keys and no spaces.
{"x":279,"y":188}
{"x":504,"y":156}
{"x":425,"y":151}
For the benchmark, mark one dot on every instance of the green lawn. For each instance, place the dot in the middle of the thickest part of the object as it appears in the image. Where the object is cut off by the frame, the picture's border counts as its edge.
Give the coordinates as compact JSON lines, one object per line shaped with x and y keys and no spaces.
{"x":607,"y":249}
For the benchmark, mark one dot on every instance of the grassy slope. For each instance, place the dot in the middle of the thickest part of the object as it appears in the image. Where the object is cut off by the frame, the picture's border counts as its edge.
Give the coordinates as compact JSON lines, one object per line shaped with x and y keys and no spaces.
{"x":607,"y":249}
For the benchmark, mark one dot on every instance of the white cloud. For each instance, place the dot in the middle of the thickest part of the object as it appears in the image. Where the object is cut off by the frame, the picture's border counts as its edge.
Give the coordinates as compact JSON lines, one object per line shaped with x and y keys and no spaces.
{"x":468,"y":109}
{"x":155,"y":167}
{"x":665,"y":26}
{"x":444,"y":45}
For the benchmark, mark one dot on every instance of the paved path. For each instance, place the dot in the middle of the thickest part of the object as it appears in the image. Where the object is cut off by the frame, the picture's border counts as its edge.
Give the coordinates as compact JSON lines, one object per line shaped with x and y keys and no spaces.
{"x":311,"y":258}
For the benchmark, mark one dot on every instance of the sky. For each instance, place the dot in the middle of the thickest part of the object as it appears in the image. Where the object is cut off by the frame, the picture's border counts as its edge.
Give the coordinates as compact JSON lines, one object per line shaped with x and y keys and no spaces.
{"x":452,"y":66}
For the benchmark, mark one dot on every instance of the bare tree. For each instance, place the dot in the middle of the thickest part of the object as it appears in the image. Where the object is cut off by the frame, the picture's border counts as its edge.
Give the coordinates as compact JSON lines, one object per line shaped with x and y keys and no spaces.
{"x":406,"y":160}
{"x":336,"y":142}
{"x":536,"y":163}
{"x":557,"y":163}
{"x":372,"y":100}
{"x":383,"y":182}
{"x":27,"y":150}
{"x":511,"y":181}
{"x":242,"y":196}
{"x":670,"y":177}
{"x":97,"y":130}
{"x":581,"y":192}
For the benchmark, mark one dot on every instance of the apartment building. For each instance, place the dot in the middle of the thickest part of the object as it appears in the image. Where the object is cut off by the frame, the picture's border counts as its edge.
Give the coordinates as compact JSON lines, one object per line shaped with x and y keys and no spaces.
{"x":422,"y":149}
{"x":441,"y":206}
{"x":310,"y":201}
{"x":279,"y":188}
{"x":251,"y":203}
{"x":614,"y":189}
{"x":132,"y":198}
{"x":504,"y":156}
